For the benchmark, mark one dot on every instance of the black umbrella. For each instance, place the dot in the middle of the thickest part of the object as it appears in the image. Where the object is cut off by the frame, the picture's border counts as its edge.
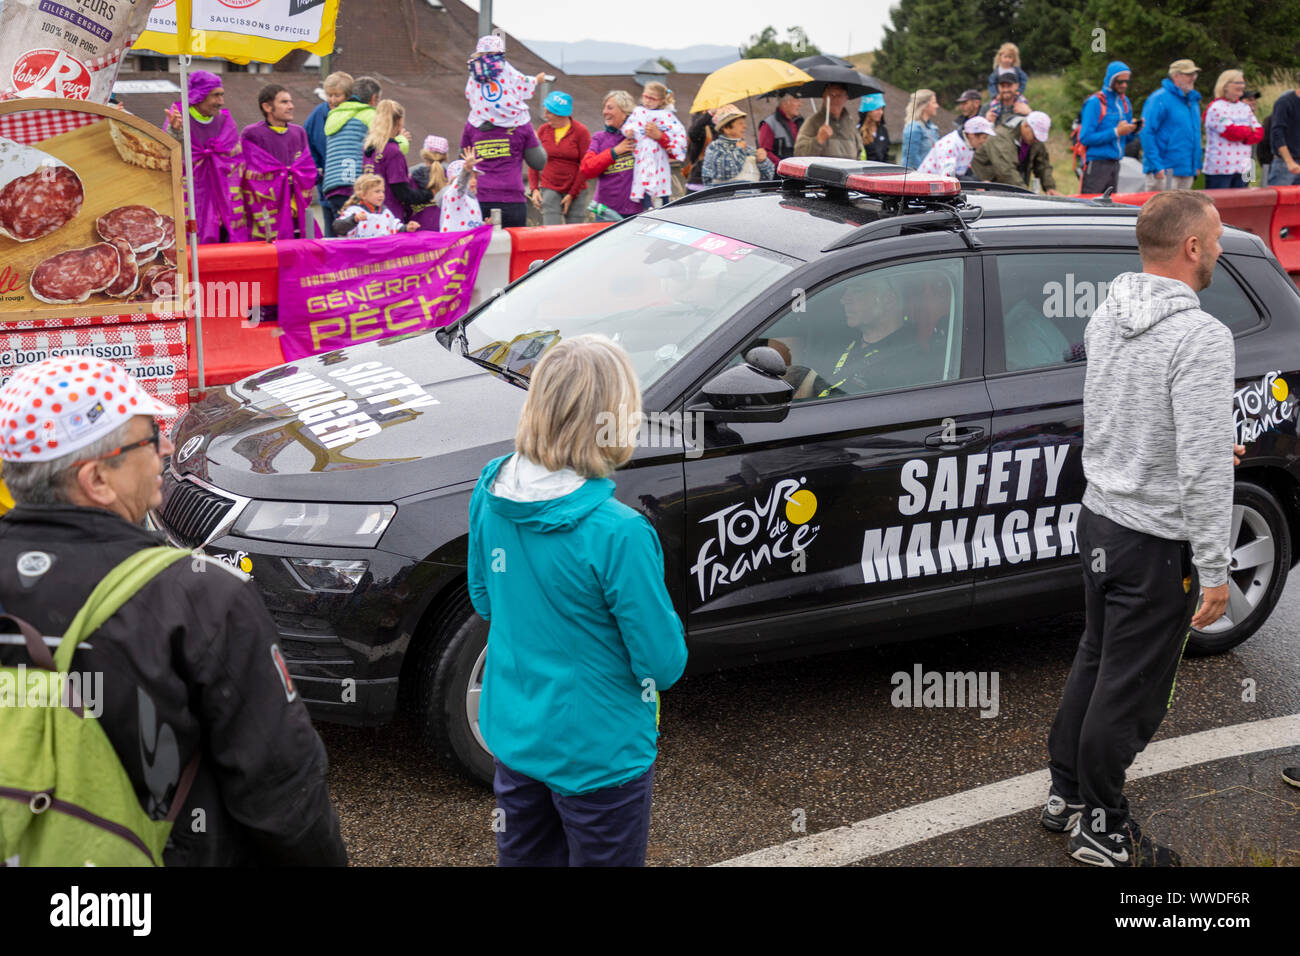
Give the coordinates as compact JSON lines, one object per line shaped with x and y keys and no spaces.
{"x":857,"y":84}
{"x":821,"y":59}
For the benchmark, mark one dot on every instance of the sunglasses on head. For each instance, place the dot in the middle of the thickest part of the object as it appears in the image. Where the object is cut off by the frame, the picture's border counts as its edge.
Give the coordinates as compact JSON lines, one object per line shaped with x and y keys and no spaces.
{"x":154,"y":439}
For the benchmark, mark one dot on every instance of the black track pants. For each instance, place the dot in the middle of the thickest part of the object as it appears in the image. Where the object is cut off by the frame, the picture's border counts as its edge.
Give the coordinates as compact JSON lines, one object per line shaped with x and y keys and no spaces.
{"x":1140,"y":594}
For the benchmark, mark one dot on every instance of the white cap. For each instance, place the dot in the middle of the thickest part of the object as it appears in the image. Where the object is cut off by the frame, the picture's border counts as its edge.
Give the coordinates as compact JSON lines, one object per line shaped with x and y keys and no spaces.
{"x":54,"y":407}
{"x":977,"y":124}
{"x":1040,"y":123}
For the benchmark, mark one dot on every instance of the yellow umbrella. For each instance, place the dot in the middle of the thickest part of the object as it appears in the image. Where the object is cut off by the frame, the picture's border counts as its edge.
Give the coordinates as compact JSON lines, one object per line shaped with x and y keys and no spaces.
{"x":745,"y":78}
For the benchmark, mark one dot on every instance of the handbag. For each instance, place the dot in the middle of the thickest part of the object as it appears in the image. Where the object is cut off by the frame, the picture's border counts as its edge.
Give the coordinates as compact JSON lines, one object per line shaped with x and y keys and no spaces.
{"x":748,"y":171}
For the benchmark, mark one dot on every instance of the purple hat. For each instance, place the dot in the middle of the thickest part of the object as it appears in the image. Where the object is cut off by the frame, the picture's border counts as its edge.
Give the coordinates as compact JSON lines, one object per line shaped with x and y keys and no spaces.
{"x":436,"y":144}
{"x":201,"y":84}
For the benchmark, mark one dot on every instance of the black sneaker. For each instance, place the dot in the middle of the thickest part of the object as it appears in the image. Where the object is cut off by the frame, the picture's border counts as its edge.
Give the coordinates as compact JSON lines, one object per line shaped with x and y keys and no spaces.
{"x":1126,"y":846}
{"x":1060,"y":815}
{"x":1291,"y":775}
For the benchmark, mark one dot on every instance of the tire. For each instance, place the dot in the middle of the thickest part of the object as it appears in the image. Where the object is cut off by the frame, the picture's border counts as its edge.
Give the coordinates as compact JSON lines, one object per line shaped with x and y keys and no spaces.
{"x":1260,"y":551}
{"x":449,"y":680}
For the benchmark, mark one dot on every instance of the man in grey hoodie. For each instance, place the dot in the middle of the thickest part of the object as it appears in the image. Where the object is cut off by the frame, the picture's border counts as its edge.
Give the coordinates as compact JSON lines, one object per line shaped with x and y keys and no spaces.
{"x":1153,"y":532}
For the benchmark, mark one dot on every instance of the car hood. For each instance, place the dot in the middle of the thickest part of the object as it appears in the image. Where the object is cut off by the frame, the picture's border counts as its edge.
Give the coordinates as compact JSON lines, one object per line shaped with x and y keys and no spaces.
{"x":374,"y":422}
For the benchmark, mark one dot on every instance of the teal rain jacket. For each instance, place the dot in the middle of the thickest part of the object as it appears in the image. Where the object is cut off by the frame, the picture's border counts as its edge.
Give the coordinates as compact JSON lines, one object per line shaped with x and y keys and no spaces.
{"x":583,"y":634}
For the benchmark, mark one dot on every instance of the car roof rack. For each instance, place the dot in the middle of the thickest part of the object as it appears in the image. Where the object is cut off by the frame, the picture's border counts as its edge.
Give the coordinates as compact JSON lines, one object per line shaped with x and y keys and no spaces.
{"x":709,"y":192}
{"x":894,"y":225}
{"x":986,"y":187}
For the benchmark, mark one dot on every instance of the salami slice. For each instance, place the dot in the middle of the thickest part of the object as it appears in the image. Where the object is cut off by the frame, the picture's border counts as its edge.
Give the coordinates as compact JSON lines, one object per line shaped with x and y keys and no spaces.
{"x":169,"y":256}
{"x":169,"y":233}
{"x":163,"y":284}
{"x":144,"y":288}
{"x":72,"y":276}
{"x":128,"y":272}
{"x":38,"y":193}
{"x":138,"y":225}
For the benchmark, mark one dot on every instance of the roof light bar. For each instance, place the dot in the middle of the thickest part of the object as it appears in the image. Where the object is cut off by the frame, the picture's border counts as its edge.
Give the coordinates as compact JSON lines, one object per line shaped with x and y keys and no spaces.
{"x":913,"y":184}
{"x":830,"y":171}
{"x":881,"y":179}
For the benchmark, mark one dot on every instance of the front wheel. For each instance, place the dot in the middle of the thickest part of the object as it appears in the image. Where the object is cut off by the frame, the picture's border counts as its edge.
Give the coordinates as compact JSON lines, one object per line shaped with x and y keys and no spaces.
{"x":450,"y":683}
{"x":1259,"y":554}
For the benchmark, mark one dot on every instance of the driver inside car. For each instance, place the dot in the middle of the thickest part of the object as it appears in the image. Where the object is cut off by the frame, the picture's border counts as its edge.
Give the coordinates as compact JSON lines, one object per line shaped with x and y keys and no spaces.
{"x":877,"y":335}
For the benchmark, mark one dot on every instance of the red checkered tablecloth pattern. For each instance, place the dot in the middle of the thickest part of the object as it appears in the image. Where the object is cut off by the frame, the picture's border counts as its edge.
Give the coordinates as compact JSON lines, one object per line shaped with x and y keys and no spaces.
{"x":154,"y":353}
{"x":88,"y":320}
{"x":36,"y":126}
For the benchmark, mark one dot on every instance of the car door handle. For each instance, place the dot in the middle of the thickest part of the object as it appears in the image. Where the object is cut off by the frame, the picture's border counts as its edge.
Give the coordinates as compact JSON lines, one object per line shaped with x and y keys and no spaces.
{"x":959,"y":438}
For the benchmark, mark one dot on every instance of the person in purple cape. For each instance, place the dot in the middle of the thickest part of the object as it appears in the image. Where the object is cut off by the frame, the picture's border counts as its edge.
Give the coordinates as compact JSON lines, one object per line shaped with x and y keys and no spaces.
{"x":279,"y":171}
{"x":218,"y":159}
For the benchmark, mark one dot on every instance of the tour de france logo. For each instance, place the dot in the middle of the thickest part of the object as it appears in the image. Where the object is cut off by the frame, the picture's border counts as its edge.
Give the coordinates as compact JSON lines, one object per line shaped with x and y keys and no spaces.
{"x":1263,"y":406}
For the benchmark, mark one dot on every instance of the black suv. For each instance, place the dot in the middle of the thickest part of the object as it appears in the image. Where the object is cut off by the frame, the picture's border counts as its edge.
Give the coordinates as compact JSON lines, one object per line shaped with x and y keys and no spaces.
{"x":807,"y":499}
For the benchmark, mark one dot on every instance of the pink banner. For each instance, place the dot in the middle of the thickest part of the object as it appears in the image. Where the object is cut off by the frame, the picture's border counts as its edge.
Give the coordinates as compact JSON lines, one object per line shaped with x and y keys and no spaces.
{"x":338,"y":292}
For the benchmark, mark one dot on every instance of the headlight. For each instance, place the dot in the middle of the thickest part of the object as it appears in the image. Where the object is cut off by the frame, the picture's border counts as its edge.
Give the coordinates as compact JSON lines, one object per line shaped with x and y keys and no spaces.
{"x":304,"y":522}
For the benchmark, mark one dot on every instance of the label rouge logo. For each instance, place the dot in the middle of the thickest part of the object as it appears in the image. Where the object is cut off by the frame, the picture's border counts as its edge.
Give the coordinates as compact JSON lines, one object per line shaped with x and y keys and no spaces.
{"x":10,"y":281}
{"x":51,"y":73}
{"x":238,"y":4}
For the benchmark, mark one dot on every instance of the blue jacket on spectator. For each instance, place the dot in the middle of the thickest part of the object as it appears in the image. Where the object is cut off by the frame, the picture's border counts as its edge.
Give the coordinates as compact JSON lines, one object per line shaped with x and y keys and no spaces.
{"x":1097,"y":132}
{"x":918,"y":139}
{"x":1171,"y":136}
{"x":315,"y":127}
{"x":583,"y":632}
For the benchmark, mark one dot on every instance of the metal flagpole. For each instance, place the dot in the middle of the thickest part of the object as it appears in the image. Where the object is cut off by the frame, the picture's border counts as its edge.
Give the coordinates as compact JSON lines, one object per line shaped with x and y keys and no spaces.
{"x":191,"y":222}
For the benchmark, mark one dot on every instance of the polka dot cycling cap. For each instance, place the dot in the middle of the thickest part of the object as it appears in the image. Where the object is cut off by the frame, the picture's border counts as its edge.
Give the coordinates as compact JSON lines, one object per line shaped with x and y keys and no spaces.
{"x":55,"y":407}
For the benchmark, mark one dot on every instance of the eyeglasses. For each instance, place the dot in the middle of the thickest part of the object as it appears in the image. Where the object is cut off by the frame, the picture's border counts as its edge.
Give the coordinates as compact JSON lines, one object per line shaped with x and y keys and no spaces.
{"x":154,"y":439}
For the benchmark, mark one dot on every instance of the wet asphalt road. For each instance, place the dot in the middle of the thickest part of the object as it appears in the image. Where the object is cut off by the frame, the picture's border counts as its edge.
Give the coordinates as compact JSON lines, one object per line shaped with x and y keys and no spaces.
{"x":745,"y":754}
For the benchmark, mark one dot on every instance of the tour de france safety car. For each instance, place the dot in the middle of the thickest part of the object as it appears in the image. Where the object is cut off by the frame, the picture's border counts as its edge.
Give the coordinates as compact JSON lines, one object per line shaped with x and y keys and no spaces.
{"x":801,"y":508}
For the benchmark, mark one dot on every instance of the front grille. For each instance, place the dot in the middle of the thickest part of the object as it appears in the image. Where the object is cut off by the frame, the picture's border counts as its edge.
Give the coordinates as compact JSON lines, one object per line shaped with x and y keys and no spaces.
{"x":191,"y":513}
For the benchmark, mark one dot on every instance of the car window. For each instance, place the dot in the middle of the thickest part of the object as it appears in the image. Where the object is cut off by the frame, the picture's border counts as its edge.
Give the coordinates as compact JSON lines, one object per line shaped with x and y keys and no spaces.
{"x":656,"y":288}
{"x":873,"y":331}
{"x":1047,"y":299}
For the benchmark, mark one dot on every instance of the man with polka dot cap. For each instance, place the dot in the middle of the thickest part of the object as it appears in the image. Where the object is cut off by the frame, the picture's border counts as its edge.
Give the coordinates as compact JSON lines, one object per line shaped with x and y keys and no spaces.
{"x":190,"y":664}
{"x":94,"y":418}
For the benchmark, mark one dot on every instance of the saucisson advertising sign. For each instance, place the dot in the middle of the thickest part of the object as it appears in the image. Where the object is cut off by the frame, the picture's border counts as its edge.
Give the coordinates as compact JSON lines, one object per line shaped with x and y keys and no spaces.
{"x":88,"y":213}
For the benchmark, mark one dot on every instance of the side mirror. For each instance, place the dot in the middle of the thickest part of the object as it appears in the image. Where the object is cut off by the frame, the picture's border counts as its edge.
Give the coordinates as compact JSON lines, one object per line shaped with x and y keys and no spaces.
{"x":753,"y":392}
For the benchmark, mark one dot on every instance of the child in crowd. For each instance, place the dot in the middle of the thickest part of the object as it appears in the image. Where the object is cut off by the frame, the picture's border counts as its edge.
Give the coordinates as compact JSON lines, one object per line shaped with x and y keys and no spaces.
{"x":653,"y":174}
{"x":430,"y":175}
{"x":496,"y":90}
{"x":459,"y":209}
{"x":364,"y":216}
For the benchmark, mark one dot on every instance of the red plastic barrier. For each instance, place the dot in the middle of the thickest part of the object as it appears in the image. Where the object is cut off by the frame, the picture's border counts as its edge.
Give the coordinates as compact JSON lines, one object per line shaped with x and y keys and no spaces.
{"x":538,"y":243}
{"x":1284,"y":230}
{"x":235,"y":276}
{"x":1248,"y":209}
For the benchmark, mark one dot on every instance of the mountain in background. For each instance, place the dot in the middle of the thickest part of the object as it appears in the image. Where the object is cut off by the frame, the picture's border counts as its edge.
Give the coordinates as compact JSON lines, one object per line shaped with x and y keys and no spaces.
{"x":588,"y":57}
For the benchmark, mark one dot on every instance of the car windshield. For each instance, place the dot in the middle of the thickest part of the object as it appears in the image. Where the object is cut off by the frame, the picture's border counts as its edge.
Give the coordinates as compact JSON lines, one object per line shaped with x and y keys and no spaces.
{"x":656,"y":288}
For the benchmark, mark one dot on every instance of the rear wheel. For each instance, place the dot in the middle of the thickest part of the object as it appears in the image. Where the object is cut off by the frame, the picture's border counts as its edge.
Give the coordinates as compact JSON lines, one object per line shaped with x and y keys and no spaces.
{"x":1259,"y":552}
{"x":450,"y":682}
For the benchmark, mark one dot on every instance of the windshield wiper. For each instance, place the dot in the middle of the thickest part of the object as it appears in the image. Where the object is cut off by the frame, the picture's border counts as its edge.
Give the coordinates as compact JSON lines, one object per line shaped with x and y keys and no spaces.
{"x":509,"y":374}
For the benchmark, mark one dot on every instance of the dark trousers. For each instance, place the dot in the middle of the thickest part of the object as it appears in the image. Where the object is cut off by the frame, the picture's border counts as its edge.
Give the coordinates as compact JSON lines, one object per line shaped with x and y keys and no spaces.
{"x":1098,"y":174}
{"x":1225,"y":181}
{"x":1140,"y":593}
{"x":539,"y":827}
{"x":513,"y":214}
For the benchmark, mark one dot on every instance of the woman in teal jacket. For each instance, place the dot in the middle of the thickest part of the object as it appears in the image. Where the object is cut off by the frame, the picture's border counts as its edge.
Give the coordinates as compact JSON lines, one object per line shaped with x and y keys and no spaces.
{"x":583,"y":635}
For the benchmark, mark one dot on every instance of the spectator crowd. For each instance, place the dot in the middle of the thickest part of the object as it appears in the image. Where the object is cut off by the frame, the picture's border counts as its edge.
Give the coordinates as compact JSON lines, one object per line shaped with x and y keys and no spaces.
{"x":257,"y":183}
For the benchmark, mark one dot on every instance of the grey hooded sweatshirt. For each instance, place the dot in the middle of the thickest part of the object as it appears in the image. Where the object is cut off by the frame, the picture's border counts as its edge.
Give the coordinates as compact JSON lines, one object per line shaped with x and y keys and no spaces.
{"x":1157,"y":417}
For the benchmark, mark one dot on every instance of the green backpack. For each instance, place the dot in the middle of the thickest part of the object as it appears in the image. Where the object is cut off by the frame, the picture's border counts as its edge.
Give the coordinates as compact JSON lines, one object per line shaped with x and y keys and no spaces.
{"x":65,"y":799}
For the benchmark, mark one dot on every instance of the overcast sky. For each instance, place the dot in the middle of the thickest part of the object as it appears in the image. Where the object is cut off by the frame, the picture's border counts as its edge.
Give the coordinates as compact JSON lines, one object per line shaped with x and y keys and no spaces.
{"x":836,"y":26}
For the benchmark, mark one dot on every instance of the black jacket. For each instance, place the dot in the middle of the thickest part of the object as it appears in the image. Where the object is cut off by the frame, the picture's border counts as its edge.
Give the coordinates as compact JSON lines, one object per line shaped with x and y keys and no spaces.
{"x":187,"y":663}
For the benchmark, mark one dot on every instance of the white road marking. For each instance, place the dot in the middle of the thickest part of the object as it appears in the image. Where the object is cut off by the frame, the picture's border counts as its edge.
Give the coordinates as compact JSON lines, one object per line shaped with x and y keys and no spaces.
{"x":924,"y":821}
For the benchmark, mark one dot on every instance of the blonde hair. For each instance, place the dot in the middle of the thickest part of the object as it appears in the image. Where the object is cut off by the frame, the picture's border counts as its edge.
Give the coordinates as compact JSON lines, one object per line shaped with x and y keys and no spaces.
{"x":1015,"y":51}
{"x":387,"y":113}
{"x":665,"y":94}
{"x":1226,"y":77}
{"x":583,"y":408}
{"x":915,"y":103}
{"x":622,"y":99}
{"x":342,"y":82}
{"x":437,"y":172}
{"x":363,"y":184}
